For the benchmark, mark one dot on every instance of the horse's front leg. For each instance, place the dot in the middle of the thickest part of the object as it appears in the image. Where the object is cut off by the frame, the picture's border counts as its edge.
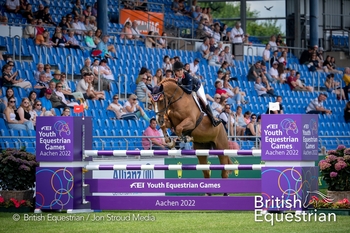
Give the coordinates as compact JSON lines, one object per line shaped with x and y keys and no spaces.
{"x":186,"y":124}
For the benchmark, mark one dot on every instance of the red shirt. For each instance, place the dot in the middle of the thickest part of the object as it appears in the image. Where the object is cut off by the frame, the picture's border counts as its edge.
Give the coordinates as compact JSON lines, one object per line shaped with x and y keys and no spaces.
{"x":290,"y":80}
{"x":220,"y":91}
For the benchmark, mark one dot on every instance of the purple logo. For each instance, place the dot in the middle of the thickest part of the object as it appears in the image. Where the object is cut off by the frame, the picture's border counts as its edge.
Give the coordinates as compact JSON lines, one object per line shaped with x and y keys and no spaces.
{"x":289,"y":124}
{"x":62,"y":127}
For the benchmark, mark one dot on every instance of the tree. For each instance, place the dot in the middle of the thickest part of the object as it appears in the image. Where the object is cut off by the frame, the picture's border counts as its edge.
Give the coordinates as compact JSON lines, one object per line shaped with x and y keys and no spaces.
{"x":264,"y":28}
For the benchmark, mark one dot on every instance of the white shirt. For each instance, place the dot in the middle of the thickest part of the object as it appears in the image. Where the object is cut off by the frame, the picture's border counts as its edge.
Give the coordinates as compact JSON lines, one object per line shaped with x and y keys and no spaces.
{"x":127,"y":103}
{"x":194,"y":68}
{"x":273,"y":45}
{"x":216,"y":36}
{"x":107,"y":76}
{"x":266,"y":55}
{"x":273,"y":72}
{"x":135,"y":32}
{"x":82,"y":86}
{"x":234,"y":32}
{"x":12,"y":4}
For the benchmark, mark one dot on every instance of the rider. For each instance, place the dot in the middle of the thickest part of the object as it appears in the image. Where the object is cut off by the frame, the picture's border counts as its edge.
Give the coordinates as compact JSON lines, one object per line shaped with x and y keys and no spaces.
{"x":190,"y":84}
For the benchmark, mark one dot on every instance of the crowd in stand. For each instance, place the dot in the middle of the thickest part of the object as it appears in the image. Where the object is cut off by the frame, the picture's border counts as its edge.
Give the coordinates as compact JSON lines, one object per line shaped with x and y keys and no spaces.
{"x":54,"y":92}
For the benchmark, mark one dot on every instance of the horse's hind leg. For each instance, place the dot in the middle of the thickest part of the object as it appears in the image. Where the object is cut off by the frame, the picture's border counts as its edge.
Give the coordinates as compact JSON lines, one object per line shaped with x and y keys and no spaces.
{"x":204,"y":160}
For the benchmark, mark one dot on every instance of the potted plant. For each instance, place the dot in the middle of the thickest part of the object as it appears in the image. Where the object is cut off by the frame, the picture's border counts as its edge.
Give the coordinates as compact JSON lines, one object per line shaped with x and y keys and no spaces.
{"x":335,"y":169}
{"x":17,"y":174}
{"x":324,"y":205}
{"x":14,"y":205}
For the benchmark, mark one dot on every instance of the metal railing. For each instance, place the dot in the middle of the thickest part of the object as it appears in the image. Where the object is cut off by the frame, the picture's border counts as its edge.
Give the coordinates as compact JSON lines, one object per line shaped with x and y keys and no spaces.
{"x":69,"y":55}
{"x":19,"y":49}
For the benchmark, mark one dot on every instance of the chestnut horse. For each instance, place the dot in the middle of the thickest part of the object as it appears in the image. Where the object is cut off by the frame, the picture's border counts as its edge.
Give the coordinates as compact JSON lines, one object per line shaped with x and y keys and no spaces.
{"x":176,"y":109}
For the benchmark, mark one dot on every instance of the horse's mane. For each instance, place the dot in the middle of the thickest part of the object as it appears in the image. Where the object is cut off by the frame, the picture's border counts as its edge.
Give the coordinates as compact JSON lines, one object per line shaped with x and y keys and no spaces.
{"x":167,"y":80}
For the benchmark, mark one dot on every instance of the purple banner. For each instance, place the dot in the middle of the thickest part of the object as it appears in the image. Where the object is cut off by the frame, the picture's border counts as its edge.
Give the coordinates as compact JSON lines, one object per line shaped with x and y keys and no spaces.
{"x":171,"y":203}
{"x":60,"y":138}
{"x":175,"y":185}
{"x":289,"y":137}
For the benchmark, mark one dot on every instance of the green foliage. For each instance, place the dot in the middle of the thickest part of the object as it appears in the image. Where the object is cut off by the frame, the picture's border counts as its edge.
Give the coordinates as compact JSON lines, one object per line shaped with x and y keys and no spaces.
{"x":17,"y":170}
{"x":264,"y":28}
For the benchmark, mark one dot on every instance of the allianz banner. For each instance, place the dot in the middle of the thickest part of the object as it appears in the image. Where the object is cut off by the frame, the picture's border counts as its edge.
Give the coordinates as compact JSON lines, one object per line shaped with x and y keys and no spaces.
{"x":151,"y":20}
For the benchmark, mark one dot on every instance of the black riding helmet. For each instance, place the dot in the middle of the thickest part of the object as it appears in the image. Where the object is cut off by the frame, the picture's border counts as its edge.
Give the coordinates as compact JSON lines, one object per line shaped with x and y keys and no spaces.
{"x":178,"y":66}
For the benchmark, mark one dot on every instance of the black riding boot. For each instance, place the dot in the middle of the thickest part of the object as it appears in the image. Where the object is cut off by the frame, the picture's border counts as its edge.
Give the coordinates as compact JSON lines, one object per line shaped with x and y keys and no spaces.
{"x":214,"y":121}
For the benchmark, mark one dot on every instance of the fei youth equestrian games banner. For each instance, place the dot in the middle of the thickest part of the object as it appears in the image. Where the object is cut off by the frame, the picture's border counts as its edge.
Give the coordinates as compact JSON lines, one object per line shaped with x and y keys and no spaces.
{"x":147,"y":21}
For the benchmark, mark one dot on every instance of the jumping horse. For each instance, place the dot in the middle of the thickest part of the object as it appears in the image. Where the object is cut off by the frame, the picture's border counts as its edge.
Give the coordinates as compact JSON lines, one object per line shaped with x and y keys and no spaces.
{"x":178,"y":110}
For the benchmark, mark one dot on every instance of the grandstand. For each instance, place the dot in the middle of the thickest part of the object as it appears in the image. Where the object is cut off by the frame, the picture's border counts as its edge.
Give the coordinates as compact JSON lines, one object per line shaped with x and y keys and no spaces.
{"x":125,"y":134}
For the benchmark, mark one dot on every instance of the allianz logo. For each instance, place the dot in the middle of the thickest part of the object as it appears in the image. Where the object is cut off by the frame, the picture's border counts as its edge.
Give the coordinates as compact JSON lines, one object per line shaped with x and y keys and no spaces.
{"x":124,"y":174}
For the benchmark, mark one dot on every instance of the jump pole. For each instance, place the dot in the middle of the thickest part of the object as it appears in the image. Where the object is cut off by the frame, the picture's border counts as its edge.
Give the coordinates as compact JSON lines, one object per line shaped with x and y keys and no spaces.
{"x":289,"y":149}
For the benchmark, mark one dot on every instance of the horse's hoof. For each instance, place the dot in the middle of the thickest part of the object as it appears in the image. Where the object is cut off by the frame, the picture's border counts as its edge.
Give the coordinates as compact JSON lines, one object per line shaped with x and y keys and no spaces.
{"x":225,"y":194}
{"x":208,"y":194}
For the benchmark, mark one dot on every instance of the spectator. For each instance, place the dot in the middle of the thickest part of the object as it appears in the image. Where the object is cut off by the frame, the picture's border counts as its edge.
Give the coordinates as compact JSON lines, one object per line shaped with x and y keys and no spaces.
{"x":283,"y":58}
{"x":47,"y":69}
{"x":266,"y":53}
{"x":60,"y":41}
{"x":94,"y":10}
{"x":12,"y":6}
{"x":227,"y":117}
{"x":274,"y":58}
{"x":38,"y":108}
{"x":132,"y":106}
{"x":316,"y":105}
{"x":30,"y":30}
{"x":334,"y":87}
{"x":65,"y":87}
{"x":28,"y":13}
{"x":346,"y":78}
{"x":10,"y":117}
{"x":162,"y":41}
{"x":56,"y":101}
{"x":201,"y":33}
{"x":157,"y":143}
{"x":157,"y":78}
{"x":246,"y":117}
{"x":135,"y":31}
{"x":63,"y":101}
{"x":328,"y":65}
{"x":142,"y":91}
{"x":77,"y":26}
{"x":9,"y":79}
{"x":64,"y":22}
{"x":127,"y":31}
{"x":255,"y":72}
{"x":88,"y":11}
{"x":47,"y":19}
{"x":149,"y":41}
{"x":56,"y":76}
{"x":314,"y":64}
{"x":119,"y":110}
{"x":95,"y":70}
{"x":23,"y":115}
{"x":105,"y":48}
{"x":169,"y":74}
{"x":217,"y":33}
{"x":204,"y":49}
{"x":273,"y":71}
{"x":105,"y":71}
{"x":227,"y":37}
{"x":237,"y":34}
{"x":263,"y":91}
{"x":77,"y":9}
{"x":40,"y":27}
{"x":213,"y":59}
{"x":281,"y":45}
{"x":251,"y":129}
{"x":8,"y":95}
{"x":85,"y":86}
{"x":212,"y":45}
{"x":72,"y":41}
{"x":217,"y":104}
{"x":228,"y":56}
{"x":42,"y":84}
{"x":197,"y":14}
{"x":166,"y":64}
{"x":347,"y":112}
{"x":43,"y":39}
{"x":66,"y":111}
{"x":89,"y":40}
{"x":278,"y":100}
{"x":32,"y":98}
{"x":292,"y":82}
{"x":273,"y":43}
{"x":93,"y":23}
{"x":305,"y":56}
{"x":39,"y":14}
{"x":46,"y":103}
{"x":194,"y":66}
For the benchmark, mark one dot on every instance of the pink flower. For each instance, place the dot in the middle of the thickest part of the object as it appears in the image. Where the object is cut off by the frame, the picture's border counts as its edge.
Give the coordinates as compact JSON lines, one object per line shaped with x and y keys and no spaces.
{"x":332,"y":152}
{"x":347,"y":151}
{"x":1,"y":200}
{"x":333,"y":174}
{"x":341,"y":147}
{"x":324,"y":165}
{"x":340,"y":165}
{"x":332,"y":158}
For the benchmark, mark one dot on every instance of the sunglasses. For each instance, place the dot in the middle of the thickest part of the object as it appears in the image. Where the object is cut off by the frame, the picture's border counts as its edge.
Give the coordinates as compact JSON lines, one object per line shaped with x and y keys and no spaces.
{"x":59,"y":86}
{"x":134,"y":99}
{"x":38,"y":105}
{"x":12,"y":101}
{"x":116,"y":98}
{"x":253,"y":117}
{"x":149,"y":80}
{"x":26,"y":102}
{"x":217,"y":98}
